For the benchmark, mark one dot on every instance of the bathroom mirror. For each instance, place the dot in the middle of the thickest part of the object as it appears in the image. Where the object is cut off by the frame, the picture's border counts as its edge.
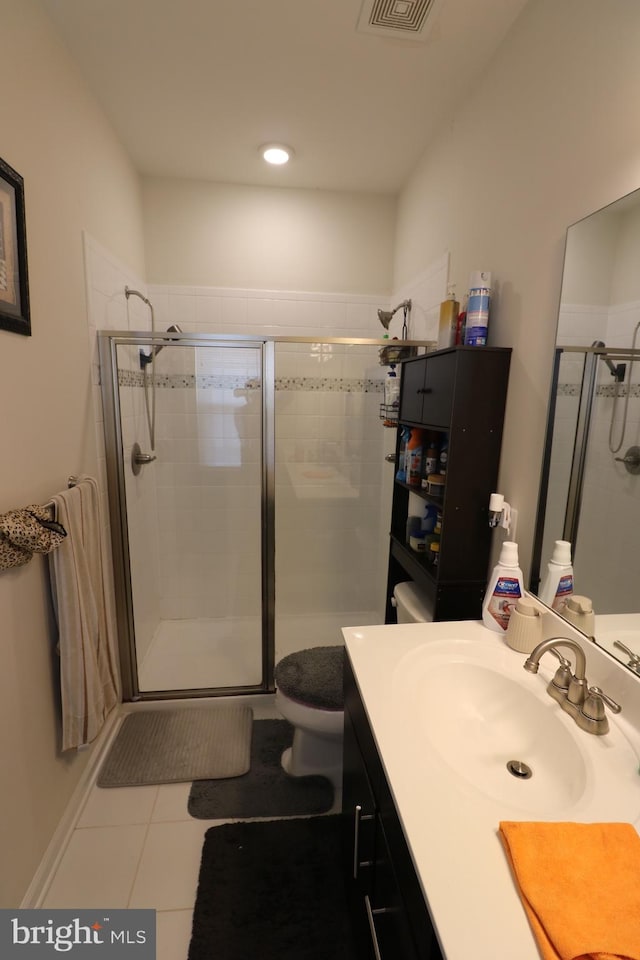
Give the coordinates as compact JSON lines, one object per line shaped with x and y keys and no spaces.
{"x":590,"y":488}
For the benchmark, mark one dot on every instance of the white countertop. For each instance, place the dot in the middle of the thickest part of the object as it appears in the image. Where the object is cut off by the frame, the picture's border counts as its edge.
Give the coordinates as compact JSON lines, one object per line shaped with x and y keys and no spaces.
{"x":452,"y":828}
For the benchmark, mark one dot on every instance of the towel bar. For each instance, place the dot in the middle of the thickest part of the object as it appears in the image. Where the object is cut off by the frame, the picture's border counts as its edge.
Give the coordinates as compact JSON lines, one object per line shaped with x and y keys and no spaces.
{"x":50,"y":505}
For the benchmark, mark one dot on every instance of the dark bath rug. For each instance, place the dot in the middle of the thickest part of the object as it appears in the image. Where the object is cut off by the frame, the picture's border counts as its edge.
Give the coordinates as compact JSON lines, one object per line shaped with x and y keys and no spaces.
{"x":273,"y":890}
{"x":266,"y":790}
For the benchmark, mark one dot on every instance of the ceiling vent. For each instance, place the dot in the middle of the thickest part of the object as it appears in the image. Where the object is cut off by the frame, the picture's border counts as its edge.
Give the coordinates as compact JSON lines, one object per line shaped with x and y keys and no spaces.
{"x":402,"y":19}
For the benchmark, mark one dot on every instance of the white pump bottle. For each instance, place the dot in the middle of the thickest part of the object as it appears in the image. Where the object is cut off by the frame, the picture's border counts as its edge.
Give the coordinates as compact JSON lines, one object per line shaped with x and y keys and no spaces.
{"x":505,"y":588}
{"x":557,"y":585}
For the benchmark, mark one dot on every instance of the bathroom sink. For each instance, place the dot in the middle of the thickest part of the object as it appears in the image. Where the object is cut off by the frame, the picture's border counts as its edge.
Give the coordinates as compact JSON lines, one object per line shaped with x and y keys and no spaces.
{"x":479,"y":718}
{"x":491,"y":721}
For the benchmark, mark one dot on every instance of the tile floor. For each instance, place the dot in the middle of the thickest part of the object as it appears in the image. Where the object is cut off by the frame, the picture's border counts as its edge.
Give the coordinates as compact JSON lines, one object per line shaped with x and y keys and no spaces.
{"x":137,"y":847}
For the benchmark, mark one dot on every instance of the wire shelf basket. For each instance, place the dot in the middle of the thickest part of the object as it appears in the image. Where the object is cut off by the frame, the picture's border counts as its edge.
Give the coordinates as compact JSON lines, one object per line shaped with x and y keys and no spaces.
{"x":389,"y":414}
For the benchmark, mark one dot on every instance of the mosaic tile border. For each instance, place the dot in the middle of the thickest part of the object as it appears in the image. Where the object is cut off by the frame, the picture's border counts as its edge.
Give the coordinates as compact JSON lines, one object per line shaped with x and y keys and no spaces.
{"x":135,"y":378}
{"x":602,"y":390}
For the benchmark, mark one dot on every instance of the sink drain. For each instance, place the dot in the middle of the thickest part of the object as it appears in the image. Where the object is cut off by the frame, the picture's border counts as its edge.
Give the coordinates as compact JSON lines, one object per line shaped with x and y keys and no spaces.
{"x":519,"y":769}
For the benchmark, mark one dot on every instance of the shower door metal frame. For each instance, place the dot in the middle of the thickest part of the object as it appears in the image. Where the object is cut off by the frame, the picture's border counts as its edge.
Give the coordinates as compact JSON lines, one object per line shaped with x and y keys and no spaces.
{"x":108,"y":342}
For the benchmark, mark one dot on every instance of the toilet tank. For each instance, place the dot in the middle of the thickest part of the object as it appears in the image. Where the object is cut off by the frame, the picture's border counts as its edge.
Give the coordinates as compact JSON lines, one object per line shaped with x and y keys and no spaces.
{"x":411,"y":605}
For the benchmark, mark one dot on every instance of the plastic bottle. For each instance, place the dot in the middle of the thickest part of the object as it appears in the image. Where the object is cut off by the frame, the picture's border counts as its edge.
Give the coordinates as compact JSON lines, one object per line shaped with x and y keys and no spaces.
{"x":391,"y":391}
{"x":461,"y":323}
{"x":557,"y":584}
{"x":430,"y":458}
{"x":401,"y":473}
{"x":414,"y":458}
{"x":449,"y":310}
{"x":443,"y":455}
{"x":478,"y":309}
{"x":505,"y":588}
{"x":430,"y":517}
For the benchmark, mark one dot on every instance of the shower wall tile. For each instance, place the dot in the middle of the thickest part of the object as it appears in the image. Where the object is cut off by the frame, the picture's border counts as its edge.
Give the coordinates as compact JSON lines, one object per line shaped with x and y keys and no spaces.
{"x":580,"y":324}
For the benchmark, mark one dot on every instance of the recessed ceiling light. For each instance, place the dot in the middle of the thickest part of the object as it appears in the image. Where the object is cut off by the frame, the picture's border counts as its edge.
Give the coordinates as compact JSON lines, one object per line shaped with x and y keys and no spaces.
{"x":276,"y":153}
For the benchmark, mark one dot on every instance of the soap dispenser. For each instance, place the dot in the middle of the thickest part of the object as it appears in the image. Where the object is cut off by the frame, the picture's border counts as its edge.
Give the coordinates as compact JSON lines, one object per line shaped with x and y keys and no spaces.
{"x":524,"y":631}
{"x":579,"y":611}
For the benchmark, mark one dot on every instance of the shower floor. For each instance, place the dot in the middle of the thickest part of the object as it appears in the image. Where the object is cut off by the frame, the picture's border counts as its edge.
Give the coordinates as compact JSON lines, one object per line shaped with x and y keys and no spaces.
{"x":198,"y":654}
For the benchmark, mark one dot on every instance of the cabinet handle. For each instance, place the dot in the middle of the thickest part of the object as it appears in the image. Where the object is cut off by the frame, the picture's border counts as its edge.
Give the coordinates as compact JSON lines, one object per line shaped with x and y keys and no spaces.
{"x":372,"y":926}
{"x":424,"y":390}
{"x":358,"y":818}
{"x":356,"y":839}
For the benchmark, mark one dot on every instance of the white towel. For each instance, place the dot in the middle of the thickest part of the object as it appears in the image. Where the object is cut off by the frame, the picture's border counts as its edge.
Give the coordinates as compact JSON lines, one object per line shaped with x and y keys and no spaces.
{"x":87,"y":635}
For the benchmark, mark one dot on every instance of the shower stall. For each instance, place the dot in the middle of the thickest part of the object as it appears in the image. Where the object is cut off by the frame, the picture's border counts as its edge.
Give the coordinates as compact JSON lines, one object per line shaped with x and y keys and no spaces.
{"x":257,"y":522}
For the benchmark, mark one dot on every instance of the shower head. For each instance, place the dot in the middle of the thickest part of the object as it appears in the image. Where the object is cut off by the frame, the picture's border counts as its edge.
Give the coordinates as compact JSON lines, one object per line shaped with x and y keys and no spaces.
{"x":616,"y":371}
{"x":174,"y":328}
{"x":385,"y":316}
{"x":146,"y":358}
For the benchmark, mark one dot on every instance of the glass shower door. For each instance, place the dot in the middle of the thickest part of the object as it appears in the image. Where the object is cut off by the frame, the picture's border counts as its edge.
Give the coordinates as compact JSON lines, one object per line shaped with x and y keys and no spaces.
{"x":192,"y":516}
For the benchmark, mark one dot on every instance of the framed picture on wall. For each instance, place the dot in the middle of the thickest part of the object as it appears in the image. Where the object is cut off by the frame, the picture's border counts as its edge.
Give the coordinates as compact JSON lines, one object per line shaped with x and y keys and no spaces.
{"x":14,"y":288}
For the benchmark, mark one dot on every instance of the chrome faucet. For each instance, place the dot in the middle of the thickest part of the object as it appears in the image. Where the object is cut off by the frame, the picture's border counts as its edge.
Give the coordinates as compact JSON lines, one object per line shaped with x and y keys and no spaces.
{"x":571,"y":690}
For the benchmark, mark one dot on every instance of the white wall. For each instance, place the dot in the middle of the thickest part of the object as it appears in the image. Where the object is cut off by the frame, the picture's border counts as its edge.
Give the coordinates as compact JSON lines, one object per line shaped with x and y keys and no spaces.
{"x":76,"y":176}
{"x":544,"y":139}
{"x":224,"y":235}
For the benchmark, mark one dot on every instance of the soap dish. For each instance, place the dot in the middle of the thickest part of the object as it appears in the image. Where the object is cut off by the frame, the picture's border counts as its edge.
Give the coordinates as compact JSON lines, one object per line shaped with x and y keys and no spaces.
{"x":525,"y":626}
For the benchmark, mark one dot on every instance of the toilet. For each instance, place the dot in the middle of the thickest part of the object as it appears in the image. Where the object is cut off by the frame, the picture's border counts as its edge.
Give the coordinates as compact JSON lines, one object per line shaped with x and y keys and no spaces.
{"x":310,"y":696}
{"x":411,"y":605}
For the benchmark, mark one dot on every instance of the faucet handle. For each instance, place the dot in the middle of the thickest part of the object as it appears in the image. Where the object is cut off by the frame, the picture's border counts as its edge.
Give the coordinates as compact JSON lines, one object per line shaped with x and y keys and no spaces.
{"x":634,"y":659}
{"x":563,"y":675}
{"x":593,"y":706}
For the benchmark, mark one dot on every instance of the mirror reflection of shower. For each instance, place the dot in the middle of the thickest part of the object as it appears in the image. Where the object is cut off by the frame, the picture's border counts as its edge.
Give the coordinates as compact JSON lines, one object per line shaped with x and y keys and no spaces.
{"x":618,"y":372}
{"x":146,"y":359}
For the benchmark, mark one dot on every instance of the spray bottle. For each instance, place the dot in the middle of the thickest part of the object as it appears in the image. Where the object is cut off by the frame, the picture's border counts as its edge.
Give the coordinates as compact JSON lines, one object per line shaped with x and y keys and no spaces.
{"x":505,"y":588}
{"x":478,"y":309}
{"x":414,"y":457}
{"x":401,"y":473}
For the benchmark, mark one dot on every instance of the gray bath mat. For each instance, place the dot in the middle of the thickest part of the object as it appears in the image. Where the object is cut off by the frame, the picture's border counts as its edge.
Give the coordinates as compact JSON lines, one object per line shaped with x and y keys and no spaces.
{"x":266,"y":790}
{"x":169,"y":746}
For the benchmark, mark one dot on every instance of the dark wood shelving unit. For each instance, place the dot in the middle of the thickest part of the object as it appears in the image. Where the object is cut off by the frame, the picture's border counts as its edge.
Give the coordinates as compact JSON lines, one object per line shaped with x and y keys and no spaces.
{"x":460,"y":392}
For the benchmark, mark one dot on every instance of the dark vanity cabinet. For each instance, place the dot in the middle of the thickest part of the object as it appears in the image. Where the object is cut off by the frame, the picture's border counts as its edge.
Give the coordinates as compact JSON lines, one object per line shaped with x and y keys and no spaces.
{"x":390,"y":917}
{"x":457,"y":395}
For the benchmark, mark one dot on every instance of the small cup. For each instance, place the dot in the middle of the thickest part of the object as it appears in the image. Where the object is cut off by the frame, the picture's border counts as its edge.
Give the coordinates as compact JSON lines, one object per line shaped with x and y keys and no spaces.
{"x":525,"y":626}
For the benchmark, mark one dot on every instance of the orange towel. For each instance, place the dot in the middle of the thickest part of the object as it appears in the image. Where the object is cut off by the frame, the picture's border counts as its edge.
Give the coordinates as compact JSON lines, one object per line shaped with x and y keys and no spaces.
{"x":580,"y":886}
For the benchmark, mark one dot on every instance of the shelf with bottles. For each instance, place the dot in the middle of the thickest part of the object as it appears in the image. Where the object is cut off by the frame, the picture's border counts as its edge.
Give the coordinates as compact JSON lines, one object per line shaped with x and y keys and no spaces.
{"x":416,"y":525}
{"x":422,"y":460}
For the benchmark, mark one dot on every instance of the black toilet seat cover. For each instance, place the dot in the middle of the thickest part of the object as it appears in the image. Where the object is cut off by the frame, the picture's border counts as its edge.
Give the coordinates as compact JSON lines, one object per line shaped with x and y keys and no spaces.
{"x":313,"y":677}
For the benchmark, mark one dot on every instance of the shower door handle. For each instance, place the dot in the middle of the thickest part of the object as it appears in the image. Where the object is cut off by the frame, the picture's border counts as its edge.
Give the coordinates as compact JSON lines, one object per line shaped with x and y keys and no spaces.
{"x":390,"y":458}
